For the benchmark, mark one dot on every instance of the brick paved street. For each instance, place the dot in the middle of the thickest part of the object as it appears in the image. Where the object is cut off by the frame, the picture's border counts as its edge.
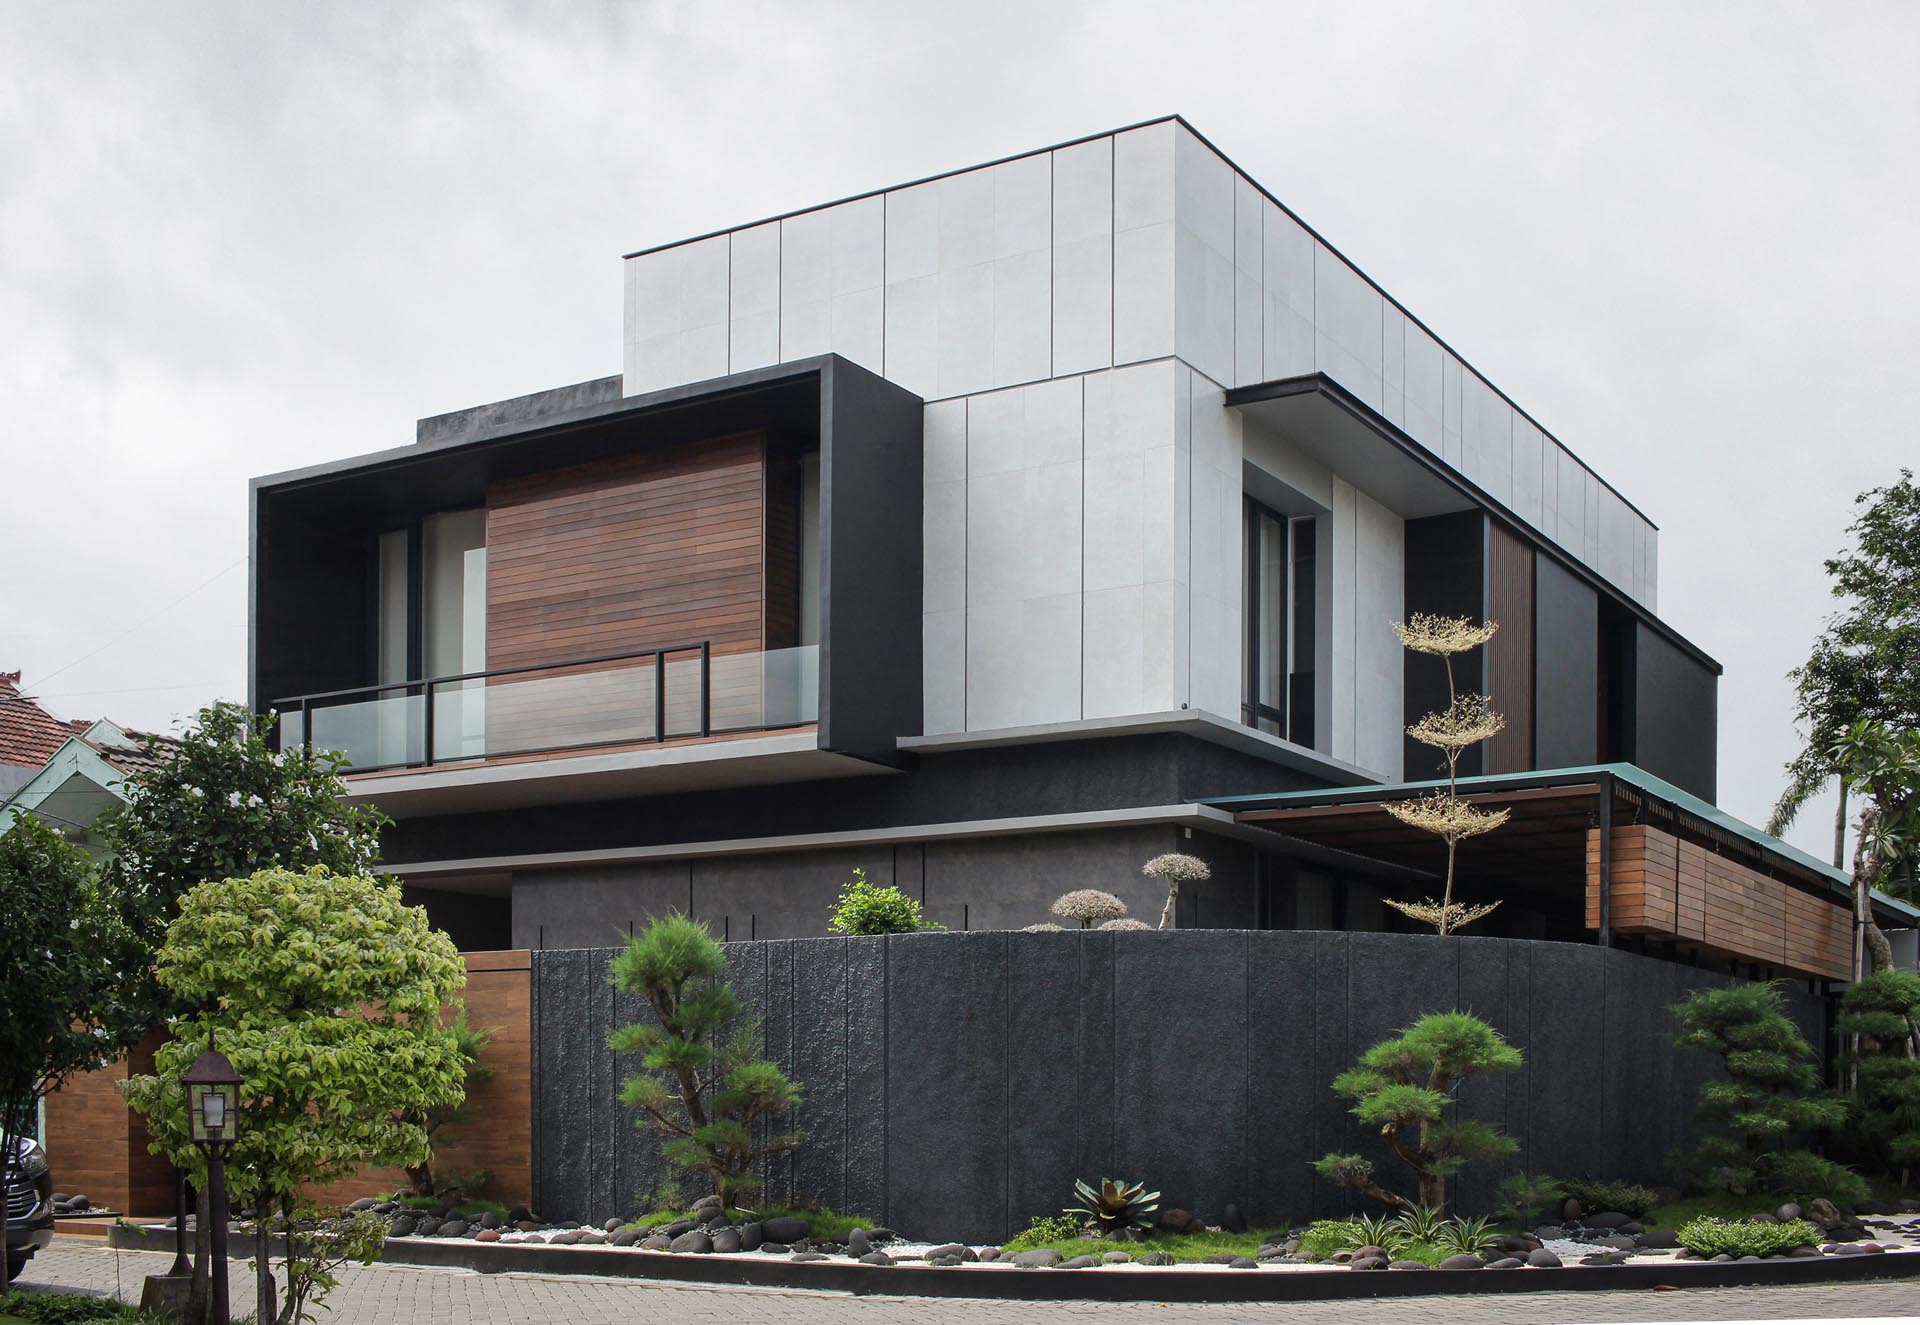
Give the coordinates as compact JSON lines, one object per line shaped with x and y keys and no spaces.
{"x":383,"y":1295}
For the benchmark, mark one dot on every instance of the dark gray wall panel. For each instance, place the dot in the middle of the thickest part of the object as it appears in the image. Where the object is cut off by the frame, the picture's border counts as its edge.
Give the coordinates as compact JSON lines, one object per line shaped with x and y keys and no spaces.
{"x":1675,"y":713}
{"x":1446,"y":573}
{"x":1566,"y":679}
{"x":957,"y":1083}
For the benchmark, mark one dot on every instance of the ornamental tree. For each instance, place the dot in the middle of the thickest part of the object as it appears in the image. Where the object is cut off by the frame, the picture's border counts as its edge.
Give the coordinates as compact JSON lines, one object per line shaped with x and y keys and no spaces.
{"x":1088,"y":905}
{"x":870,"y":908}
{"x":1405,"y":1087}
{"x":1174,"y":869}
{"x":1883,"y":1010}
{"x":704,"y":1088}
{"x":1467,"y":720}
{"x":325,"y":991}
{"x":1884,"y":764}
{"x":1770,"y":1093}
{"x":64,"y":957}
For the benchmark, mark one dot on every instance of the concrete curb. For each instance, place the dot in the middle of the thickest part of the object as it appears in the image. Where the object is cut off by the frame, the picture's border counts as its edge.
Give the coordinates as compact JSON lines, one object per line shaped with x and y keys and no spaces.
{"x":1156,"y":1285}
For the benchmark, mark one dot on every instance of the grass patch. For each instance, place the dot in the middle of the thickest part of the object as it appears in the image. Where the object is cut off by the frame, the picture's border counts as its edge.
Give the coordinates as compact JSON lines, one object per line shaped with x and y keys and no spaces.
{"x":34,"y":1307}
{"x":825,"y":1223}
{"x":1180,"y":1246}
{"x":1713,"y":1205}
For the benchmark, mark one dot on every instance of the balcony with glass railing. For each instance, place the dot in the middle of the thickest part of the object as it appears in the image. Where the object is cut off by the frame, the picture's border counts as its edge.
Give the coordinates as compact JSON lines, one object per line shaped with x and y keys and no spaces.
{"x":682,"y":692}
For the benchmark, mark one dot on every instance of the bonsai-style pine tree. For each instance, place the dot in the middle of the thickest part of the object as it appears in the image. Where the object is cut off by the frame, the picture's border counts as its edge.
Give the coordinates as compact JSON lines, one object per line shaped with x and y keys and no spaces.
{"x":1883,"y":1010}
{"x":1405,"y":1087}
{"x":703,"y":1093}
{"x":1466,"y":721}
{"x":1771,"y":1092}
{"x":1174,"y":869}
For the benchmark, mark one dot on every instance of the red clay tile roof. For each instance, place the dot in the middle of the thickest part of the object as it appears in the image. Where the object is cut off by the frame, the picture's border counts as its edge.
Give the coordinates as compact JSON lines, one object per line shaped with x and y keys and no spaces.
{"x":138,"y":758}
{"x":28,"y":733}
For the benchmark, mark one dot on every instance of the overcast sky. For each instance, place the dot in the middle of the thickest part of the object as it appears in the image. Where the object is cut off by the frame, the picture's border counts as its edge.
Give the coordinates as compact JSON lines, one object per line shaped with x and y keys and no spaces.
{"x":239,"y":238}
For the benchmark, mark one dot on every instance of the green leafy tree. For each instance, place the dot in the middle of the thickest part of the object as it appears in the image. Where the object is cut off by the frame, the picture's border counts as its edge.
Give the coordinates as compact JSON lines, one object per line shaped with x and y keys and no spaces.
{"x":1884,"y":764}
{"x":64,"y":956}
{"x":426,"y":1180}
{"x":1883,"y":1010}
{"x":1866,"y":662}
{"x":704,"y":1089}
{"x":325,"y":991}
{"x":869,"y":908}
{"x":1771,"y":1094}
{"x":1405,"y":1087}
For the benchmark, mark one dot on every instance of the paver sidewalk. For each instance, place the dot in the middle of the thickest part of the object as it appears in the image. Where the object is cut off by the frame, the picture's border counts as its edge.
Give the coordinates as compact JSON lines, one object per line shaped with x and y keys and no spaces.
{"x":400,"y":1294}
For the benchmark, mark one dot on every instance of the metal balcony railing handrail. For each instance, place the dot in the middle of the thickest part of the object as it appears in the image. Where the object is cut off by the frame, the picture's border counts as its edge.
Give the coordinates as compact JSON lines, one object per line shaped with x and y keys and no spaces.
{"x":426,"y":685}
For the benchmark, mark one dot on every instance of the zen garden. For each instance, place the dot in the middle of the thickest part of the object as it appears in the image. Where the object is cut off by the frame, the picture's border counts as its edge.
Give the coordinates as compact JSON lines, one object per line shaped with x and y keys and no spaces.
{"x":310,"y":1028}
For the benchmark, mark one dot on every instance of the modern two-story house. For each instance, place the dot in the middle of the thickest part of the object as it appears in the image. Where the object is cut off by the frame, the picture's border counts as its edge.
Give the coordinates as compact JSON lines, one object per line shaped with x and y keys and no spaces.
{"x":994,"y":533}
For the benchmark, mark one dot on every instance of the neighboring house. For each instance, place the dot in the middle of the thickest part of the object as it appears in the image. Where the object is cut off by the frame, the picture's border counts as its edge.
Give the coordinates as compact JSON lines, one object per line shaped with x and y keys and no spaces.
{"x":83,"y":778}
{"x":28,"y":735}
{"x":987,"y":533}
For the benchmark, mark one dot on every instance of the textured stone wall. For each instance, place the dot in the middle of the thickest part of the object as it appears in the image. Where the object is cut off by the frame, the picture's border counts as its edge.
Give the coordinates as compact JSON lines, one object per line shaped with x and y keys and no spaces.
{"x":957,"y":1083}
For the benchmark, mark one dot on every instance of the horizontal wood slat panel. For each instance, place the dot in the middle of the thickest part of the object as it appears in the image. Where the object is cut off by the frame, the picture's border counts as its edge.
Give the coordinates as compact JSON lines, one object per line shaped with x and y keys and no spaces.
{"x":1668,"y":889}
{"x":636,"y":552}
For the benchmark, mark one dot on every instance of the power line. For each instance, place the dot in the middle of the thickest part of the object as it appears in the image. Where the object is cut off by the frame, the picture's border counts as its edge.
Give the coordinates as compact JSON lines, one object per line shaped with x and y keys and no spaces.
{"x":131,"y":690}
{"x":138,"y":625}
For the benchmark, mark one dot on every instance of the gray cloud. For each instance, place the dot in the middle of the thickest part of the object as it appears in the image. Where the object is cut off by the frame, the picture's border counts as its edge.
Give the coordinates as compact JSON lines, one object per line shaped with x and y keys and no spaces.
{"x":236,"y":238}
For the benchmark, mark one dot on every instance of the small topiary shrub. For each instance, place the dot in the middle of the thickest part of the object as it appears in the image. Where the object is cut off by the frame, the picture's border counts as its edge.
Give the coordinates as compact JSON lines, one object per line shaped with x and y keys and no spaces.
{"x":1088,"y":905}
{"x":1626,"y":1197}
{"x":1044,"y":1230}
{"x":1125,"y":922}
{"x":868,"y":908}
{"x":1324,"y":1237}
{"x":1715,"y":1237}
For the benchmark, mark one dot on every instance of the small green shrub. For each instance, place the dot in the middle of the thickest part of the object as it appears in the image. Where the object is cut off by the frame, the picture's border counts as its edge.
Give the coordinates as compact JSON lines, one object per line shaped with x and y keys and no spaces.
{"x":1115,"y":1207}
{"x":1714,"y":1237}
{"x":1326,"y":1236}
{"x":1465,"y":1237}
{"x":866,"y":908}
{"x":1526,"y":1197}
{"x":1625,"y":1197}
{"x":1382,"y":1231}
{"x":1042,"y":1230}
{"x":38,"y":1308}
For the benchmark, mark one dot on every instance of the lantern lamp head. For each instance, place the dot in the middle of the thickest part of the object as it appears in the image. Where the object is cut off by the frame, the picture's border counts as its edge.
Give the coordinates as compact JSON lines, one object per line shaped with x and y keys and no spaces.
{"x":213,"y":1099}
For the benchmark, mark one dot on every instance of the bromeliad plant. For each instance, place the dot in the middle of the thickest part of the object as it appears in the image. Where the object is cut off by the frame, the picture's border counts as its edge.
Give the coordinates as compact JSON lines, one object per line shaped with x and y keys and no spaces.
{"x":1405,"y":1087}
{"x":1115,"y":1209}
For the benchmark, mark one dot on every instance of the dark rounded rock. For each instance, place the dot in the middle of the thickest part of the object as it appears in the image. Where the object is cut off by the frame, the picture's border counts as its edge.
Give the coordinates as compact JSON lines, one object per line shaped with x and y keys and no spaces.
{"x":60,"y":1198}
{"x":386,"y":1207}
{"x":1224,"y":1258}
{"x":364,"y":1203}
{"x":487,"y":1235}
{"x":1787,"y":1213}
{"x":727,"y":1240}
{"x":1176,"y":1220}
{"x":1747,"y":1260}
{"x":402,"y":1227}
{"x":693,"y":1240}
{"x":1232,"y":1220}
{"x":1078,"y":1263}
{"x":946,"y":1249}
{"x":590,"y":1237}
{"x":489,"y":1220}
{"x":1607,"y":1219}
{"x":1542,"y":1259}
{"x":774,"y":1248}
{"x":1271,"y":1253}
{"x":1824,"y":1213}
{"x":809,"y":1255}
{"x":679,"y":1226}
{"x":1358,"y":1252}
{"x":721,"y":1220}
{"x":528,"y":1225}
{"x":1117,"y":1257}
{"x":1849,"y":1249}
{"x":622,"y":1237}
{"x":785,"y":1228}
{"x":427,"y":1227}
{"x":1243,"y":1263}
{"x":1156,"y":1258}
{"x":1506,"y":1263}
{"x":1762,"y":1218}
{"x":518,"y":1213}
{"x":1571,"y":1209}
{"x":1632,"y":1228}
{"x":1659,"y":1239}
{"x":1464,"y":1261}
{"x":1804,"y":1253}
{"x":944,"y":1262}
{"x":454,"y":1228}
{"x":1408,"y":1265}
{"x":566,"y":1239}
{"x":750,"y":1236}
{"x":707,"y":1207}
{"x":533,"y":1237}
{"x":1367,"y":1263}
{"x":858,"y":1244}
{"x":612,"y":1225}
{"x":1722,"y":1259}
{"x":879,"y":1235}
{"x":655,"y":1242}
{"x":1546,"y":1231}
{"x":876,"y":1258}
{"x":1032,"y":1260}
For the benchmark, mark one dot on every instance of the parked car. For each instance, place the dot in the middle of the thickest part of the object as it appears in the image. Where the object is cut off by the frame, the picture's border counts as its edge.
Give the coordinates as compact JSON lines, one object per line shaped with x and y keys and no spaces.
{"x":29,"y":1203}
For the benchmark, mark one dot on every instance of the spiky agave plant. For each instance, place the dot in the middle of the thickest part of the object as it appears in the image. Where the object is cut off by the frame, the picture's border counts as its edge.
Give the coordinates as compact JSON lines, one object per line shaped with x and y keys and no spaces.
{"x":1421,"y":1224}
{"x":1382,"y":1231}
{"x":1465,"y":1237}
{"x":1115,"y":1208}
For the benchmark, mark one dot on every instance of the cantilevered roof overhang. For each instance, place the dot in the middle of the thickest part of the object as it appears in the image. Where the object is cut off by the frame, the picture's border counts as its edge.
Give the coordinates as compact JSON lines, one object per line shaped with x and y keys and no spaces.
{"x":1546,"y":838}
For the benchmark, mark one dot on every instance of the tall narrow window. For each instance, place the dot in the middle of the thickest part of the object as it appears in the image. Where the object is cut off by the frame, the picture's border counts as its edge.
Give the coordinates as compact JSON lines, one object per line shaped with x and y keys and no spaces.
{"x":1277,"y":627}
{"x":453,"y":624}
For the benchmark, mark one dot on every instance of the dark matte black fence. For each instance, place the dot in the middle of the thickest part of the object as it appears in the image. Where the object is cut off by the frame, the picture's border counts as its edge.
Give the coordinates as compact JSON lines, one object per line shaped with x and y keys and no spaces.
{"x":957,"y":1083}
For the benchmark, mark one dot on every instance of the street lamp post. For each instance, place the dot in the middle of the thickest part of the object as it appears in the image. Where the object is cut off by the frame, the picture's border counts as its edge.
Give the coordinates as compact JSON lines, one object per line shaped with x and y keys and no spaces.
{"x":213,"y":1115}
